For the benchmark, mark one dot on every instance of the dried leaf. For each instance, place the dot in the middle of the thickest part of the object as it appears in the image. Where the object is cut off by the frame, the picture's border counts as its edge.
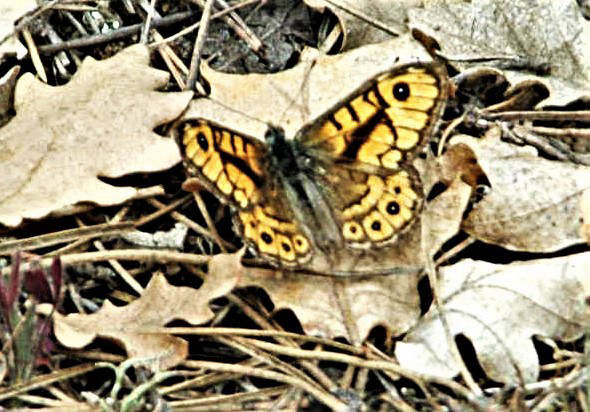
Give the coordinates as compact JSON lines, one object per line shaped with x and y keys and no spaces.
{"x":99,"y":124}
{"x":533,"y":203}
{"x":10,"y":12}
{"x":520,"y":34}
{"x":499,"y":308}
{"x":7,"y":83}
{"x":293,"y":97}
{"x":368,"y":21}
{"x":129,"y":325}
{"x":351,"y":307}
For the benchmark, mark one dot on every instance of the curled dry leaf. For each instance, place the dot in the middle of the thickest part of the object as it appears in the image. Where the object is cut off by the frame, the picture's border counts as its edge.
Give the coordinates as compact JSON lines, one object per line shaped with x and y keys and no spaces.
{"x":499,"y":308}
{"x":520,"y":35}
{"x":533,"y":204}
{"x":100,"y":124}
{"x":130,"y":325}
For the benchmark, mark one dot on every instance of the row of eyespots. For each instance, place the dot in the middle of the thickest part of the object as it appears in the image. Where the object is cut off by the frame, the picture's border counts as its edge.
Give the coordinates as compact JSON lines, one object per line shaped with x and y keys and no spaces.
{"x":287,"y":247}
{"x":388,"y":215}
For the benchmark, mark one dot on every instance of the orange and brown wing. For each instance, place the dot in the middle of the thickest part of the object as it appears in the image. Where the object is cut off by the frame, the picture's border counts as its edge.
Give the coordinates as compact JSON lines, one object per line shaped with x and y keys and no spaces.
{"x":385,"y":122}
{"x":234,"y":167}
{"x":367,"y":143}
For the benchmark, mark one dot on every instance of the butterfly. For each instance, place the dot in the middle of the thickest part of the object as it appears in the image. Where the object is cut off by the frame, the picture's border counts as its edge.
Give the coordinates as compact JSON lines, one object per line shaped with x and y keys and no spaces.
{"x":345,"y":185}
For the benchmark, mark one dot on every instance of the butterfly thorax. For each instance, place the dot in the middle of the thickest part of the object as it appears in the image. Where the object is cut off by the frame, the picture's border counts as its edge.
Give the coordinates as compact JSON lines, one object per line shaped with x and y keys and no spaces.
{"x":296,"y":171}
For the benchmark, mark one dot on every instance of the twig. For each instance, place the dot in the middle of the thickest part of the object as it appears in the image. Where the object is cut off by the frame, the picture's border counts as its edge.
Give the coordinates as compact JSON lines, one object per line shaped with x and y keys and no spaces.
{"x":116,"y":34}
{"x":140,"y":255}
{"x":581,"y":115}
{"x":179,"y":217}
{"x":323,"y":396}
{"x":50,"y":239}
{"x":143,"y":39}
{"x":362,"y":16}
{"x":196,"y":25}
{"x":161,"y":211}
{"x":193,"y":75}
{"x":34,"y":52}
{"x":205,"y":213}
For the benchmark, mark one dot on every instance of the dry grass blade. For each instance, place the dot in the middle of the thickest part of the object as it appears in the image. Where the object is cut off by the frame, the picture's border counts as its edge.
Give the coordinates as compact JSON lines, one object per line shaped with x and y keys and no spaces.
{"x":49,"y":239}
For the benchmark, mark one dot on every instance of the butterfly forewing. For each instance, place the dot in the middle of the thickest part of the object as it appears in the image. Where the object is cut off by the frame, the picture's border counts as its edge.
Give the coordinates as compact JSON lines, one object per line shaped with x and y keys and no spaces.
{"x":235,"y":168}
{"x":384,"y":123}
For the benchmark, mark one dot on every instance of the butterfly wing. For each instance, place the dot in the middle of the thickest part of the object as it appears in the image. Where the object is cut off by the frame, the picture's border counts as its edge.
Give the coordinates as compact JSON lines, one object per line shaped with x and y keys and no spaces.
{"x":365,"y":146}
{"x":235,"y":168}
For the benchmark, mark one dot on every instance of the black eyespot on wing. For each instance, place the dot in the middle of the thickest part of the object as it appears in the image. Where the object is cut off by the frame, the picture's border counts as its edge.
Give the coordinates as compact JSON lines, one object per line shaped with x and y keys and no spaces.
{"x":266,"y":238}
{"x":202,"y":141}
{"x":376,"y":226}
{"x":401,"y":91}
{"x":286,"y":247}
{"x":392,"y":208}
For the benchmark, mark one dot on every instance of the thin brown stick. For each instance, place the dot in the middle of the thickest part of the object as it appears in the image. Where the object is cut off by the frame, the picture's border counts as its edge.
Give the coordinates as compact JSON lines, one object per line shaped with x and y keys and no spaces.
{"x":215,"y":331}
{"x":582,"y":115}
{"x":238,"y":398}
{"x":196,"y":25}
{"x":50,"y":239}
{"x":194,"y":69}
{"x":323,"y":396}
{"x":140,"y":255}
{"x":191,"y":224}
{"x":161,"y":211}
{"x":114,"y":35}
{"x":210,"y":224}
{"x":44,"y":380}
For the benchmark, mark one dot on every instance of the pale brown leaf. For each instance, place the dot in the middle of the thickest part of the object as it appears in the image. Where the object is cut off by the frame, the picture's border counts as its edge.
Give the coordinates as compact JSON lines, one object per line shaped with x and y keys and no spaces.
{"x":499,"y":308}
{"x":10,"y":11}
{"x":130,"y":325}
{"x":293,"y":97}
{"x":367,"y":21}
{"x":99,"y":124}
{"x":533,"y":204}
{"x":522,"y":35}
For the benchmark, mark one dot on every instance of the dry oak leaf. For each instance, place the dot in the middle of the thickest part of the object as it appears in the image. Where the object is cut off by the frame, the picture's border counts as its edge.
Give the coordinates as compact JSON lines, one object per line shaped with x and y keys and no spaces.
{"x":351,"y":307}
{"x":294,"y":97}
{"x":520,"y":34}
{"x":100,"y":124}
{"x":533,"y":204}
{"x":130,"y":325}
{"x":499,"y":308}
{"x":368,"y":21}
